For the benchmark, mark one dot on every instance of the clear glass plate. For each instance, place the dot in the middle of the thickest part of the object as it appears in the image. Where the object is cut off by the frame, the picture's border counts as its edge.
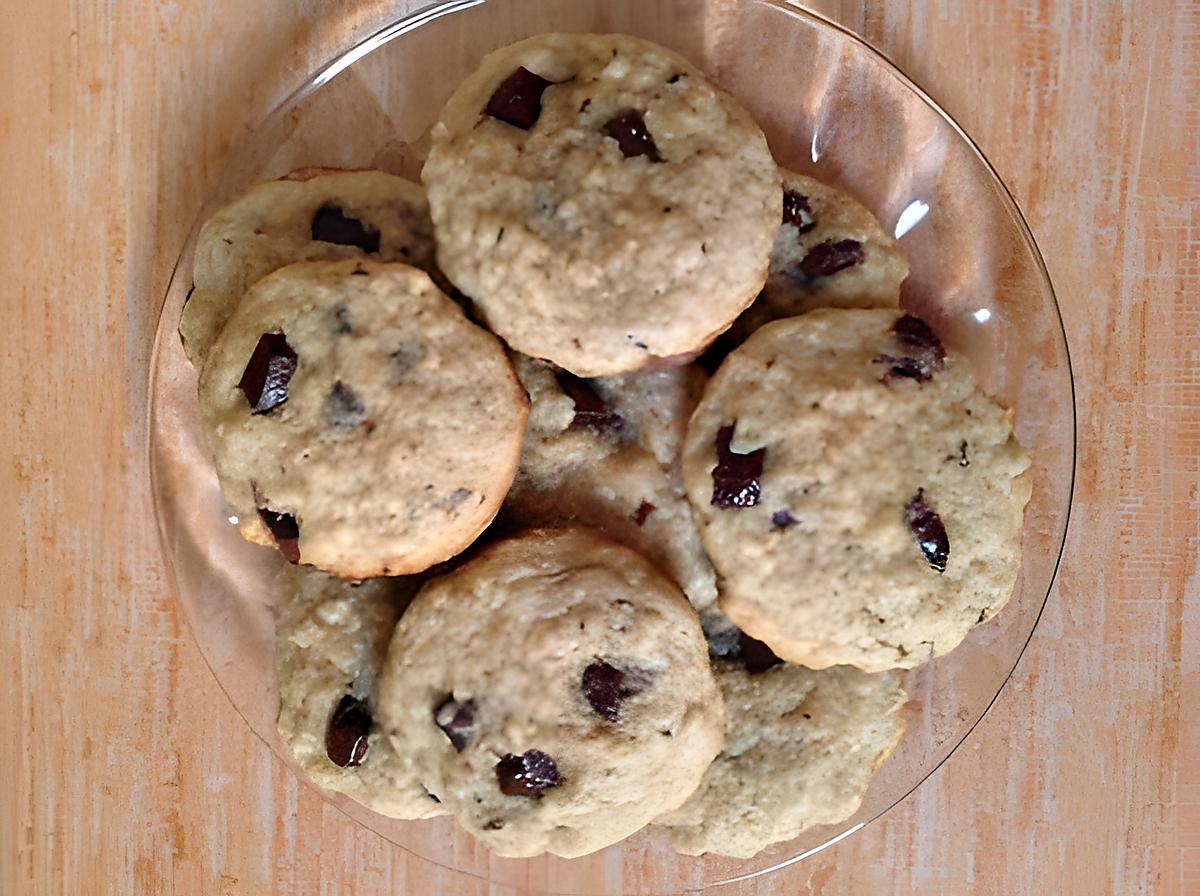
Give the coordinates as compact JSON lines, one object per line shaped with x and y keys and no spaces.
{"x":831,"y":106}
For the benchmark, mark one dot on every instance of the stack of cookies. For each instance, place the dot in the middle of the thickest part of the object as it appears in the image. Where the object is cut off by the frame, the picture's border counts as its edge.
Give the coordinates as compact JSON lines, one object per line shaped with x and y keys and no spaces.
{"x":613,"y":480}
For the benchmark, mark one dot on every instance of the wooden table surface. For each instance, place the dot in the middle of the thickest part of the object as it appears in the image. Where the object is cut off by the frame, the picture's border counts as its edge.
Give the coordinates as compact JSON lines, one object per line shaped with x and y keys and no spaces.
{"x":124,"y":770}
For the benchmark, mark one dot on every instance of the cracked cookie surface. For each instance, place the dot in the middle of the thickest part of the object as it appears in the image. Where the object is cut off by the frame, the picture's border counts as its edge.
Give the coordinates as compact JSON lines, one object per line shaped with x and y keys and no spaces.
{"x":830,"y":252}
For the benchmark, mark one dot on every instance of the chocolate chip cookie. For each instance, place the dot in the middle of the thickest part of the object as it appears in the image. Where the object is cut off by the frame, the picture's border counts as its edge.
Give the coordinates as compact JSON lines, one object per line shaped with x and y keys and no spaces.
{"x":801,"y":747}
{"x":314,"y":214}
{"x":555,"y":693}
{"x":331,"y":637}
{"x":602,"y":203}
{"x":860,"y":498}
{"x":359,"y":421}
{"x":830,"y":252}
{"x":604,"y":453}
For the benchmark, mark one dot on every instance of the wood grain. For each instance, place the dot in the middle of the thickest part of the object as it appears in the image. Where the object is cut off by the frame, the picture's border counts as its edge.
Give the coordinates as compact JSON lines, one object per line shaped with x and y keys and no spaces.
{"x":124,"y":770}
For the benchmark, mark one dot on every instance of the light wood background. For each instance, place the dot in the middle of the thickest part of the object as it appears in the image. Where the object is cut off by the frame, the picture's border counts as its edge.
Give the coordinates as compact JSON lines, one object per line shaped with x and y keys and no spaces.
{"x":124,"y":770}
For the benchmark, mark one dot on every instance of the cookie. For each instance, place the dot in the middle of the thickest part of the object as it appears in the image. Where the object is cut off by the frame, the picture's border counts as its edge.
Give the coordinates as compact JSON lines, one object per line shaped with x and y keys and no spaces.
{"x":358,"y":420}
{"x":604,"y":453}
{"x":331,"y":637}
{"x":860,"y":498}
{"x":601,"y":201}
{"x":830,"y":252}
{"x":312,"y":215}
{"x":555,"y":693}
{"x":801,"y":747}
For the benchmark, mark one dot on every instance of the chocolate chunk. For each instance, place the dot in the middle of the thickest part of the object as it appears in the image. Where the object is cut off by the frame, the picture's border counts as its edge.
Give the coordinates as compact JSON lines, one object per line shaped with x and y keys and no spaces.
{"x":963,"y":460}
{"x":331,"y":225}
{"x":915,"y":333}
{"x":458,"y":721}
{"x":607,"y":687}
{"x":343,"y":409}
{"x":736,"y":476}
{"x":630,"y":132}
{"x":643,"y":511}
{"x":755,"y":655}
{"x":590,"y":409}
{"x":265,"y":380}
{"x":528,"y":774}
{"x":518,"y":99}
{"x":906,"y":368}
{"x":285,"y":530}
{"x":924,"y":355}
{"x":926,"y":526}
{"x":783,"y":519}
{"x":494,"y":824}
{"x":797,"y":211}
{"x":601,"y":684}
{"x":830,"y":257}
{"x":346,"y":736}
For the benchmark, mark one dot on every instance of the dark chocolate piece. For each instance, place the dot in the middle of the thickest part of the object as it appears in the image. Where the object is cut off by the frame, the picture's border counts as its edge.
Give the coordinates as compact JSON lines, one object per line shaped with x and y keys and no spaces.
{"x":797,"y":211}
{"x":518,"y":99}
{"x":457,"y":720}
{"x":643,"y":512}
{"x":590,"y":409}
{"x":924,"y":355}
{"x":830,"y":257}
{"x":632,"y":136}
{"x":346,"y":736}
{"x":606,"y":687}
{"x":736,"y":476}
{"x":527,"y":774}
{"x":929,"y":531}
{"x":271,"y":366}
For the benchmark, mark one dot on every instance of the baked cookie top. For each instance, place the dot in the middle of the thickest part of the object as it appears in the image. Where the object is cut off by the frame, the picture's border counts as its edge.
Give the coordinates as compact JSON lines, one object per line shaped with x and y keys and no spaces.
{"x":830,"y":252}
{"x":801,"y":747}
{"x":358,"y":420}
{"x":330,"y":640}
{"x":314,"y":214}
{"x":555,"y":693}
{"x":601,"y":201}
{"x":604,"y":453}
{"x":860,"y":498}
